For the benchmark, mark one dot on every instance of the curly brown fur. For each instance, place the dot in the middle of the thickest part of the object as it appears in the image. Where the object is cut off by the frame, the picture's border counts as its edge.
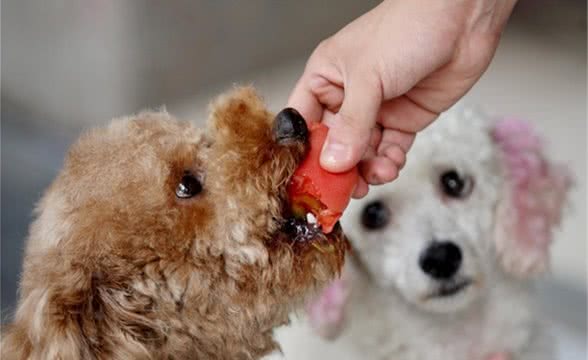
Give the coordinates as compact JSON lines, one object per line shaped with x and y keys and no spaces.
{"x":117,"y":267}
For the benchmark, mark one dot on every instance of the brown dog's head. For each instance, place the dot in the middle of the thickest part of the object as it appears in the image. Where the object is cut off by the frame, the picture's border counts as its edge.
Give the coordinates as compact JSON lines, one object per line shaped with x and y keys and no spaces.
{"x":160,"y":239}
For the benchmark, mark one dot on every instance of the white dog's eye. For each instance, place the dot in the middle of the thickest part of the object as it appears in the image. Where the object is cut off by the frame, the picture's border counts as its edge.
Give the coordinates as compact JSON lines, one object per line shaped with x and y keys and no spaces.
{"x":454,"y":185}
{"x":375,"y":215}
{"x":188,"y":187}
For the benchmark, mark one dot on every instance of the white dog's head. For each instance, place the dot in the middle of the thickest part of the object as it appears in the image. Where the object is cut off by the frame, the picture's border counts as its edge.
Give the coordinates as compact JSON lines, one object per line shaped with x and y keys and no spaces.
{"x":476,"y":198}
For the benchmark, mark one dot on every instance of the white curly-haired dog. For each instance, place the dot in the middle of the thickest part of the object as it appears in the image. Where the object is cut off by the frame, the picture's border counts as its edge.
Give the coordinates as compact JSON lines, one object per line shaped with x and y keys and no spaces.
{"x":444,"y":257}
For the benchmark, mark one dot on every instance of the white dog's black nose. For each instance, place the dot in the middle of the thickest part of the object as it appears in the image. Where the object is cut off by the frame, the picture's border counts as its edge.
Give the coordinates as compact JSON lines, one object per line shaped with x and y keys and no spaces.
{"x":441,"y":260}
{"x":289,"y":126}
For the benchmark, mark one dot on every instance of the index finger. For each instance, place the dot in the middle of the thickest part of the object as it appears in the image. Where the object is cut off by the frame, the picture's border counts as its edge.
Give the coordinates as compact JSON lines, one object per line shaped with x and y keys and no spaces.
{"x":303,"y":99}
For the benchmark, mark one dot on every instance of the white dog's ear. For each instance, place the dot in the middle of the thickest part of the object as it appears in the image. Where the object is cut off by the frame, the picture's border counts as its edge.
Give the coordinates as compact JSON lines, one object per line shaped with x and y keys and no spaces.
{"x":326,"y":313}
{"x":533,"y":196}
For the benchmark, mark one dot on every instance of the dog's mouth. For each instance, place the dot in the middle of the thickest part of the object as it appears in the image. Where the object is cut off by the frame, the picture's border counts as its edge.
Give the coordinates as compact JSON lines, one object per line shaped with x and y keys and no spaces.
{"x":302,"y":230}
{"x":307,"y":231}
{"x":449,"y":288}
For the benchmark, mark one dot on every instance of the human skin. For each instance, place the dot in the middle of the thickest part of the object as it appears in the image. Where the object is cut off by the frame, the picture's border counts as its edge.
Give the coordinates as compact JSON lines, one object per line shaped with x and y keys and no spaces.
{"x":387,"y":75}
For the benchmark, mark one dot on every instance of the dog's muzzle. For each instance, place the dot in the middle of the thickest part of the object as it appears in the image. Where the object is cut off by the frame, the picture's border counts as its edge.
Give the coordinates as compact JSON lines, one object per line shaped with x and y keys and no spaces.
{"x":441,"y":260}
{"x":290,"y":127}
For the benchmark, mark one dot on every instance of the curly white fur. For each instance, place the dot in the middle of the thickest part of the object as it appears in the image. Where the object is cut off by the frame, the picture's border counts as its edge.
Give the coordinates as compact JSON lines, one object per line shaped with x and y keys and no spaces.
{"x":387,"y":307}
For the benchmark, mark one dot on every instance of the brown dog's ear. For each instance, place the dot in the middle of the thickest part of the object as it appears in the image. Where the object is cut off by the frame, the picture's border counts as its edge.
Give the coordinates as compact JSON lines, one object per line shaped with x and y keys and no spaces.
{"x":71,"y":310}
{"x":326,"y":313}
{"x":533,"y":196}
{"x":45,"y":324}
{"x":239,"y":116}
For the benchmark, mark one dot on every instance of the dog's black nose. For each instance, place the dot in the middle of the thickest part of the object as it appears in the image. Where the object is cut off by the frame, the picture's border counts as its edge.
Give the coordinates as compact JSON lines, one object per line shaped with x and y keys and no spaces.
{"x":441,"y":260}
{"x":289,"y":126}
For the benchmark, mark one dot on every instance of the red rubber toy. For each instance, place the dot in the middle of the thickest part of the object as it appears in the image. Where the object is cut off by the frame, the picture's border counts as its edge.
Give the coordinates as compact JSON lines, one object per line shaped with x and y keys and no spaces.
{"x":316,"y":191}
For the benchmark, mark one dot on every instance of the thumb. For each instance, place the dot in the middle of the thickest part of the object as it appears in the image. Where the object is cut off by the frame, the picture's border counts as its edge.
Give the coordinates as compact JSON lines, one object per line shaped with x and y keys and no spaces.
{"x":350,"y":130}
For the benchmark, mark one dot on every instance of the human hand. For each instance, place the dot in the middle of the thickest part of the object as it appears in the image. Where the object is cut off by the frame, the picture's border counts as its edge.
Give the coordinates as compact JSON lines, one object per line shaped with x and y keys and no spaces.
{"x":389,"y":73}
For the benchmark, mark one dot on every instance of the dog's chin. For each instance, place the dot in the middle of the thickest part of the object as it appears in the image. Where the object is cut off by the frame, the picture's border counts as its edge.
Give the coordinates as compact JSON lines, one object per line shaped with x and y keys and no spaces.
{"x":313,"y":250}
{"x":449,"y":296}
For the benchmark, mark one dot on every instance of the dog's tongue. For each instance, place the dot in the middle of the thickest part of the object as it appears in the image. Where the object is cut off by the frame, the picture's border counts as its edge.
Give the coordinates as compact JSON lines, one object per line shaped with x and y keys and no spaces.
{"x":317,"y":195}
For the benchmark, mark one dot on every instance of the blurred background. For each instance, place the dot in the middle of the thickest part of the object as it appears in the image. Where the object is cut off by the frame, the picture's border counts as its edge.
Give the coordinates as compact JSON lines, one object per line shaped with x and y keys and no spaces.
{"x":69,"y":65}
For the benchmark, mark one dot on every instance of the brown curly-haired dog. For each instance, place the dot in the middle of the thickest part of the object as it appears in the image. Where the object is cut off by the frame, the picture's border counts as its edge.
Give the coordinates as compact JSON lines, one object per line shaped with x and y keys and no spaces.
{"x":162,"y":241}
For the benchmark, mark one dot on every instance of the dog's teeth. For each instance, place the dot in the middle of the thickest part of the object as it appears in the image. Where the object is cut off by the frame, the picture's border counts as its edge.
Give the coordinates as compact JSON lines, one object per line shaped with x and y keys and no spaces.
{"x":310,"y":218}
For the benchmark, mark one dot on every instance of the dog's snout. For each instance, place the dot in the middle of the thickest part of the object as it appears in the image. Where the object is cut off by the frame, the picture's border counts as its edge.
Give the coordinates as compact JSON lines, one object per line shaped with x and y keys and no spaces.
{"x":441,"y":260}
{"x":289,"y":126}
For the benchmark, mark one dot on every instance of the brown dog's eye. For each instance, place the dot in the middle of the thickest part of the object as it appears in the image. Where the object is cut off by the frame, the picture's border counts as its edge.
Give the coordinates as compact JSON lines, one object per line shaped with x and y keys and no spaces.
{"x":188,"y":187}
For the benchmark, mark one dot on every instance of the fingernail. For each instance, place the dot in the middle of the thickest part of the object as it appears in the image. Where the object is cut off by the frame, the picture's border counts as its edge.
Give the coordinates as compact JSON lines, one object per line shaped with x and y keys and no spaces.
{"x":336,"y":154}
